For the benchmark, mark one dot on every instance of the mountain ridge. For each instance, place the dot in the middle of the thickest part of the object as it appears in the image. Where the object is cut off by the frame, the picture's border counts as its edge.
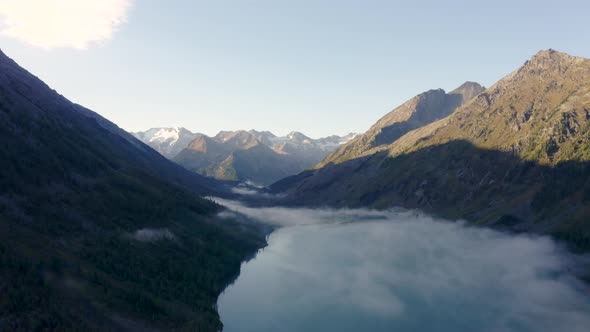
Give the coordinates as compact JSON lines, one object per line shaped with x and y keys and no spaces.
{"x":225,"y":155}
{"x":519,"y":117}
{"x":517,"y":155}
{"x":424,"y":108}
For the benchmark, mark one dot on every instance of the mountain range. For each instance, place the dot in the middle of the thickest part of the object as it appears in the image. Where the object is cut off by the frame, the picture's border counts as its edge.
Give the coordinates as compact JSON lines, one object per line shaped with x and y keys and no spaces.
{"x":99,"y":232}
{"x":515,"y":155}
{"x":252,"y":156}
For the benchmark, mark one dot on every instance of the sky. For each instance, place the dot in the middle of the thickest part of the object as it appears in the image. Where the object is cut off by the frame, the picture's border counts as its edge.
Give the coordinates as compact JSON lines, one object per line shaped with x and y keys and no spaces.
{"x":319,"y":67}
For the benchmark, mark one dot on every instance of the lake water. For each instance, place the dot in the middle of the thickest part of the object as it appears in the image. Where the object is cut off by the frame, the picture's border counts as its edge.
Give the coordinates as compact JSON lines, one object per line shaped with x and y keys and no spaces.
{"x":356,"y":270}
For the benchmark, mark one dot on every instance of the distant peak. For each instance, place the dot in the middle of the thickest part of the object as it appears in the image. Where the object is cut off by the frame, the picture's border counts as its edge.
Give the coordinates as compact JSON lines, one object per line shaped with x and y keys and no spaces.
{"x":431,"y":93}
{"x":468,"y":90}
{"x":439,"y":90}
{"x":167,"y":129}
{"x":550,"y":53}
{"x":470,"y":85}
{"x":548,"y":58}
{"x":294,"y":133}
{"x":264,"y":132}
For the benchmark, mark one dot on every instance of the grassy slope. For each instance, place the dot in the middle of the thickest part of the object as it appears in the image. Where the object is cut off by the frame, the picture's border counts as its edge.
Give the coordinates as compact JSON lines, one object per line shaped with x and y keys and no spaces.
{"x":538,"y":113}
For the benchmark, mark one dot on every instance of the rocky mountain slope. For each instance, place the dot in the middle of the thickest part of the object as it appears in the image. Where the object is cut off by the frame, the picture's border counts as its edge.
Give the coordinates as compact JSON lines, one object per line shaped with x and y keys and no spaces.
{"x":98,"y":232}
{"x":259,"y":157}
{"x":516,"y":156}
{"x":421,"y":110}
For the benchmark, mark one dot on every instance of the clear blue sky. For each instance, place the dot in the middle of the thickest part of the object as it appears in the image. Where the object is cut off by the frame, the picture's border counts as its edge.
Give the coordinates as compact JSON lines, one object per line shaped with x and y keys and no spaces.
{"x":320,"y":67}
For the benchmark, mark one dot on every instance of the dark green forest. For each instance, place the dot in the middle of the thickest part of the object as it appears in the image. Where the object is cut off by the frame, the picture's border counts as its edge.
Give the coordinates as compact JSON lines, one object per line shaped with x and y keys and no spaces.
{"x":76,"y":200}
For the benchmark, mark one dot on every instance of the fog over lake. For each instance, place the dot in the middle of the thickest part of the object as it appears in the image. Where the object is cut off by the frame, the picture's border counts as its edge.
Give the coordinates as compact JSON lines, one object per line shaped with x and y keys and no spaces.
{"x":359,"y":270}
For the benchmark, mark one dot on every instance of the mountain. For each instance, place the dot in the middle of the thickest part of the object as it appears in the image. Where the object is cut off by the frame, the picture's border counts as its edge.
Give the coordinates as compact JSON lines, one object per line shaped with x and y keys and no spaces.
{"x":97,"y":230}
{"x":516,"y":156}
{"x":256,"y":156}
{"x":167,"y":141}
{"x":296,"y":142}
{"x":421,"y":110}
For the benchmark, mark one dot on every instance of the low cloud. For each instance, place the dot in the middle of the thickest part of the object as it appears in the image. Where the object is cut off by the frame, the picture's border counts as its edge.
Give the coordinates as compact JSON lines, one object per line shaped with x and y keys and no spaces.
{"x":62,"y":23}
{"x":282,"y":216}
{"x":244,"y":191}
{"x":152,"y":234}
{"x":401,"y":270}
{"x":249,"y":188}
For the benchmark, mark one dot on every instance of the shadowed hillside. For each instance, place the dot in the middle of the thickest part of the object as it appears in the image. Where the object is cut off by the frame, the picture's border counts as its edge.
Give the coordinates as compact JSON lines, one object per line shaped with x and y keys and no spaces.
{"x":458,"y":180}
{"x":97,"y":230}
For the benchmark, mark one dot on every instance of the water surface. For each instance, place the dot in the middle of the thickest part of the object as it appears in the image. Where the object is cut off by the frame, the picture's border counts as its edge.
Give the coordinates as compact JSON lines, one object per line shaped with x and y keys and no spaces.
{"x":354,"y":270}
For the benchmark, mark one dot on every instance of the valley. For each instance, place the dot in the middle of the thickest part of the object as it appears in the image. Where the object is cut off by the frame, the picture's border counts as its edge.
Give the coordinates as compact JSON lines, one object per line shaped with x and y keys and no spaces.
{"x":168,"y":229}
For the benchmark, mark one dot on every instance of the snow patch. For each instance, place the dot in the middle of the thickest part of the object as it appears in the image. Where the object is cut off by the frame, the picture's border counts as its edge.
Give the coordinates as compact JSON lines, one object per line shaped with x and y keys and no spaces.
{"x":166,"y":134}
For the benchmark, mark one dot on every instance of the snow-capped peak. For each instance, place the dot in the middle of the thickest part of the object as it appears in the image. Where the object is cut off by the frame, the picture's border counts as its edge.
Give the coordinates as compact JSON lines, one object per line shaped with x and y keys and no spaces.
{"x":167,"y":141}
{"x":170,"y":141}
{"x":166,"y":134}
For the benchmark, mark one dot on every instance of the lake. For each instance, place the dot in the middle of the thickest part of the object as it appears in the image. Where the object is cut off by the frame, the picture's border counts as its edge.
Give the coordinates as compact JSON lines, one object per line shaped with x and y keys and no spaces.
{"x":359,"y":270}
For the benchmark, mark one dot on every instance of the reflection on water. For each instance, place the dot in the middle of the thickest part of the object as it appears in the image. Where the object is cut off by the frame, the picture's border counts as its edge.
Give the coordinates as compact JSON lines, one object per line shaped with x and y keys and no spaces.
{"x":399,"y":271}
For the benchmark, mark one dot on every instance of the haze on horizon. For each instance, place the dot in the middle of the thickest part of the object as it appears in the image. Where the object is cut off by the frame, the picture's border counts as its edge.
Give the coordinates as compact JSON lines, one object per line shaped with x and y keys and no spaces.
{"x":319,"y":68}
